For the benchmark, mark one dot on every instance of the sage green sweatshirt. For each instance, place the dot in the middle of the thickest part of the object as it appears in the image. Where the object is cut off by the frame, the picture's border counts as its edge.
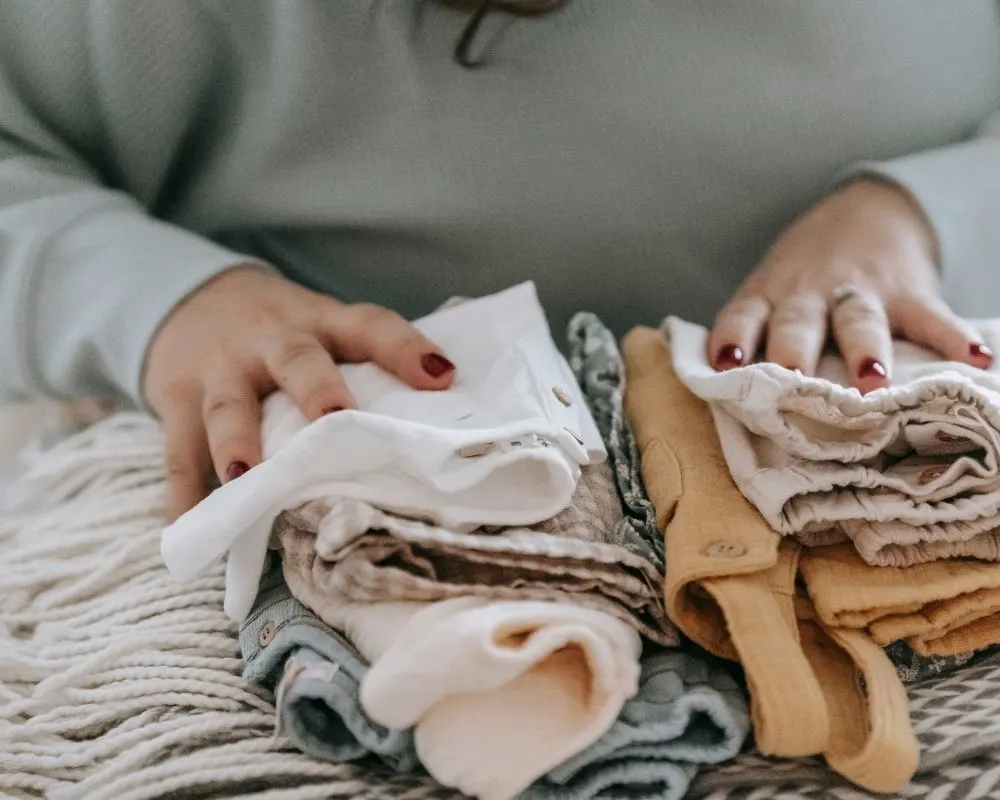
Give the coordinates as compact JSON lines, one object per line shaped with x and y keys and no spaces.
{"x":633,"y":157}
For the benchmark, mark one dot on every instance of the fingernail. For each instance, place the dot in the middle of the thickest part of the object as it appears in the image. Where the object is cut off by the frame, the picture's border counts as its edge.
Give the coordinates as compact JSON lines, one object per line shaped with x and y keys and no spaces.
{"x":870,"y":368}
{"x":436,"y":365}
{"x":981,"y":351}
{"x":333,"y":410}
{"x":729,"y":356}
{"x":236,"y":469}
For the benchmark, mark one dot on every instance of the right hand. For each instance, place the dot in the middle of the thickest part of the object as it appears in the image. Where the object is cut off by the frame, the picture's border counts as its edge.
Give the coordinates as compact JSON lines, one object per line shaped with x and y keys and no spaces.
{"x":245,"y":334}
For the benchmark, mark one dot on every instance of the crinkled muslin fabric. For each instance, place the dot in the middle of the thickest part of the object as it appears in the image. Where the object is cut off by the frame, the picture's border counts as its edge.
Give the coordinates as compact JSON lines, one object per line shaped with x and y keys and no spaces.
{"x":909,"y":474}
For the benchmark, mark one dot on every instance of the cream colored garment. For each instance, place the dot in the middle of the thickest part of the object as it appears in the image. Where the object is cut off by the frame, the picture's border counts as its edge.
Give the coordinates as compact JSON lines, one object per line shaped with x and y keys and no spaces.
{"x":354,"y":550}
{"x":731,"y":587}
{"x":910,"y":474}
{"x":499,"y":692}
{"x":942,"y":608}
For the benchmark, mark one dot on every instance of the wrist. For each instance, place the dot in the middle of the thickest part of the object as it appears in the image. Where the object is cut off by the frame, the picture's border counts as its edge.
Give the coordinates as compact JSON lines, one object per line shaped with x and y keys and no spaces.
{"x":874,"y":194}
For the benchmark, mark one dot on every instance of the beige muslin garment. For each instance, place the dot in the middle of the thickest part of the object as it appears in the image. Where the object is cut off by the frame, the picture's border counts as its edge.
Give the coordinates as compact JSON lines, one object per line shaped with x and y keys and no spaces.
{"x":355,"y":550}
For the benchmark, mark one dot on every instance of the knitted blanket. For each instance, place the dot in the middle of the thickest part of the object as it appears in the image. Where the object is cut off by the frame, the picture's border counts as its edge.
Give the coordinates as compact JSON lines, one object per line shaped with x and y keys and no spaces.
{"x":116,"y":683}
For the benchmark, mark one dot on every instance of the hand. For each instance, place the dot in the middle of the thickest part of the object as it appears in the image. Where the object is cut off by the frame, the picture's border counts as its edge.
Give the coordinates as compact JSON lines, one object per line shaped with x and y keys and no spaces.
{"x":242,"y":336}
{"x":861,"y":265}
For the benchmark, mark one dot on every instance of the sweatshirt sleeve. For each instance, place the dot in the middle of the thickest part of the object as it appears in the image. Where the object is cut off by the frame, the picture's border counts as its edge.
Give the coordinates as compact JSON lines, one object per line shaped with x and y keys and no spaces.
{"x":958,"y":188}
{"x":87,"y":274}
{"x":86,"y":278}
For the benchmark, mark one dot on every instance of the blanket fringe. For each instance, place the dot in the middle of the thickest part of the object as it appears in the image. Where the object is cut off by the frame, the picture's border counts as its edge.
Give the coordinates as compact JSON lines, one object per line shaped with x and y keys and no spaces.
{"x":116,"y":683}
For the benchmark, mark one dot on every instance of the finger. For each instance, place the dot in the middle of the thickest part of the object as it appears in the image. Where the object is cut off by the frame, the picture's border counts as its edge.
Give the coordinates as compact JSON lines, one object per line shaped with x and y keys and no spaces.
{"x":231,"y":415}
{"x":302,"y":367}
{"x":365,"y":332}
{"x":861,"y":327}
{"x":796,"y":332}
{"x":738,"y":330}
{"x":187,"y":460}
{"x":930,"y":322}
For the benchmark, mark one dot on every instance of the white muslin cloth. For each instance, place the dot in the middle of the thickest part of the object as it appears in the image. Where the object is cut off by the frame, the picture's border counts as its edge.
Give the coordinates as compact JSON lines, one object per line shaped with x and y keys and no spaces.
{"x":909,"y":473}
{"x":503,"y":446}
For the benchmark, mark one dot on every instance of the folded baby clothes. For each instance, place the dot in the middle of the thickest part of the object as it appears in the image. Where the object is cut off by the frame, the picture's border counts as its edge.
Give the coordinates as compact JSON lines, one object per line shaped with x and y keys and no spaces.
{"x":597,"y":365}
{"x":503,"y":446}
{"x":943,"y":608}
{"x":686,"y":712}
{"x":910,"y":473}
{"x":347,"y":548}
{"x":602,"y":550}
{"x":498,"y":693}
{"x":317,"y":674}
{"x":731,"y":586}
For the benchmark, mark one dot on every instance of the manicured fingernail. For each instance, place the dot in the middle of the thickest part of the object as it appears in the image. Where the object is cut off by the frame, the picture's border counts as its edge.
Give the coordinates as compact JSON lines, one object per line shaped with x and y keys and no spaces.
{"x":333,"y":410}
{"x":236,"y":469}
{"x":870,"y":368}
{"x":981,"y":351}
{"x":729,"y":356}
{"x":436,"y":365}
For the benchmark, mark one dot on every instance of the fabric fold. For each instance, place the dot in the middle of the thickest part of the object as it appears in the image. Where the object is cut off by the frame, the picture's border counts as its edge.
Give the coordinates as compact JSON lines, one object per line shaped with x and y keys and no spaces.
{"x":498,"y":693}
{"x":909,"y":474}
{"x":686,"y":712}
{"x":356,"y":551}
{"x":503,"y":446}
{"x":943,"y":608}
{"x":731,"y":586}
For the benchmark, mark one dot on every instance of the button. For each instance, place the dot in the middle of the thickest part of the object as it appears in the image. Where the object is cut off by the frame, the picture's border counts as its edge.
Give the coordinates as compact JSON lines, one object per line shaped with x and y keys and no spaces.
{"x":561,"y":396}
{"x":941,"y":436}
{"x":267,"y":634}
{"x":725,"y":550}
{"x":579,"y":439}
{"x":475,"y":450}
{"x":932,"y":474}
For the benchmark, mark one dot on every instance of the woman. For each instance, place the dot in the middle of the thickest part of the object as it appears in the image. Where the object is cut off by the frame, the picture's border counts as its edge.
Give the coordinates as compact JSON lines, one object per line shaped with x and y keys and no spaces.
{"x":200,"y":200}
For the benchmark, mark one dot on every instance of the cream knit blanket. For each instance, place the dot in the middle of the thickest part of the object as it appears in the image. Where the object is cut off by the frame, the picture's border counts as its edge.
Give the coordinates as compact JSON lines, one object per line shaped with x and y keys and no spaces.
{"x":116,"y":683}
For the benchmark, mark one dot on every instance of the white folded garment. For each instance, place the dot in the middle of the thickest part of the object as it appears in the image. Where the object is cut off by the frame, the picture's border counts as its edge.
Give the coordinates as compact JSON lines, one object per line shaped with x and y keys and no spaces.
{"x":503,"y":446}
{"x":909,"y":473}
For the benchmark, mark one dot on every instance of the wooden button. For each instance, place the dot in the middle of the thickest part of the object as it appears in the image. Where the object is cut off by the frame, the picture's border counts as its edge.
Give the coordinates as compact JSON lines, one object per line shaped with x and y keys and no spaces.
{"x":932,"y":474}
{"x":725,"y":550}
{"x":561,"y":396}
{"x":267,"y":634}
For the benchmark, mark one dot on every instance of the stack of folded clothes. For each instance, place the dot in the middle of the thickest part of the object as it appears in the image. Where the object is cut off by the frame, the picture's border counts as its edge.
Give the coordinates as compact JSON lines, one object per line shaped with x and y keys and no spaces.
{"x":469,"y":580}
{"x":895,"y":494}
{"x":476,"y":582}
{"x":813,"y":491}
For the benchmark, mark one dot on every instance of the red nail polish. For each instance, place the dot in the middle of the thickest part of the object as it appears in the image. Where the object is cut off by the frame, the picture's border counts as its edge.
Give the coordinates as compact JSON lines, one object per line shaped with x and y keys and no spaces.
{"x":870,"y":368}
{"x":236,"y":469}
{"x":981,"y":351}
{"x":332,"y":410}
{"x":729,"y":356}
{"x":436,"y":365}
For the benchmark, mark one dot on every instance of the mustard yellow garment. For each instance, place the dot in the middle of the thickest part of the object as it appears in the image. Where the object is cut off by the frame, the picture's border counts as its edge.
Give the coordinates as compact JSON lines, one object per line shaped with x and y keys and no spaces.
{"x":731,"y":587}
{"x":940,"y":608}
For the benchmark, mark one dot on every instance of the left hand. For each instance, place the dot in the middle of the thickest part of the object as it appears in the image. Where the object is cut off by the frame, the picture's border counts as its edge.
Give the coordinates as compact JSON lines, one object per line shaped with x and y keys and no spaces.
{"x":860,"y":266}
